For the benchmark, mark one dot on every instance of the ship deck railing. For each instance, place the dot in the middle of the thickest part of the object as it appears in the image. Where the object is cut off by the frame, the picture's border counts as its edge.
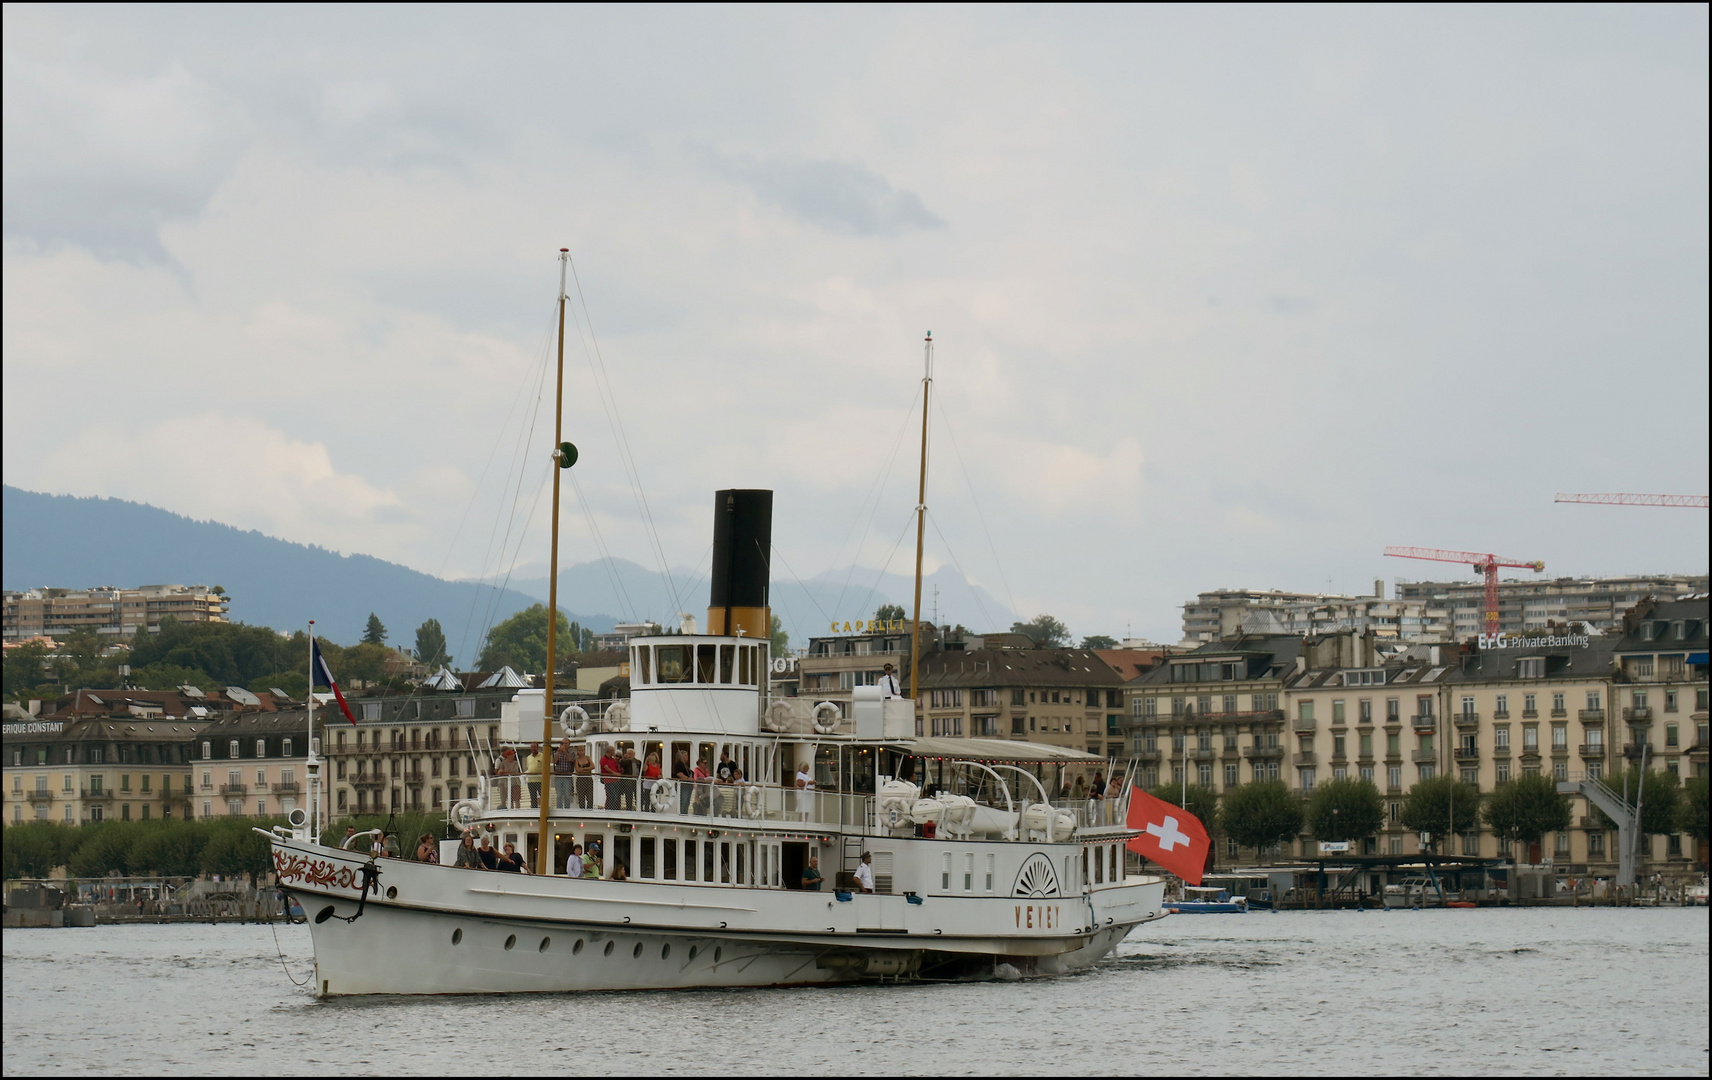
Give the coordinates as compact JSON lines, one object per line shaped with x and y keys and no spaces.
{"x":706,"y":800}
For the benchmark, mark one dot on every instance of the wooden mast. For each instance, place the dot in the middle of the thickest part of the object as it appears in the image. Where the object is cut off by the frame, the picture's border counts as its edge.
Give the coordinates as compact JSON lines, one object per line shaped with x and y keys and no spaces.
{"x":920,"y":530}
{"x":544,"y":841}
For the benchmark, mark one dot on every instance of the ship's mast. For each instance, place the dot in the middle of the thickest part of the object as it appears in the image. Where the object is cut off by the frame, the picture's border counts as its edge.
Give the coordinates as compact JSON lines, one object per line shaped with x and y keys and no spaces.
{"x":920,"y":528}
{"x":543,"y":842}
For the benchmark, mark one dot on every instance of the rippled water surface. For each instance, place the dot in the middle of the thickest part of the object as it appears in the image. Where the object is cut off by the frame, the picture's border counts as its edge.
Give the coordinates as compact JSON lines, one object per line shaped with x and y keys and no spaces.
{"x":1491,"y":991}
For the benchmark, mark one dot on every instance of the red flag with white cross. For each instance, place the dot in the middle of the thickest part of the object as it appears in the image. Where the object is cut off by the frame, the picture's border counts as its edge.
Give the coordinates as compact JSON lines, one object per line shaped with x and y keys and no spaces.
{"x":1170,"y":836}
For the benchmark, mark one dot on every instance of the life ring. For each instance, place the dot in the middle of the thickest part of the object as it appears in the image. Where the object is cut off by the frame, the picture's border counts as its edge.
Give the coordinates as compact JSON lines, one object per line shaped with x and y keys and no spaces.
{"x":777,"y":717}
{"x":753,"y":807}
{"x":618,"y":716}
{"x":585,"y":722}
{"x":464,"y":811}
{"x":831,"y":725}
{"x":665,"y":796}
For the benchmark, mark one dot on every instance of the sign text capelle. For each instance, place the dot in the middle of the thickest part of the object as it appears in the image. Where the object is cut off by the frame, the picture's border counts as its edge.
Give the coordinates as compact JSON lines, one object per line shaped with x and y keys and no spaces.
{"x":869,"y":626}
{"x":1541,"y":641}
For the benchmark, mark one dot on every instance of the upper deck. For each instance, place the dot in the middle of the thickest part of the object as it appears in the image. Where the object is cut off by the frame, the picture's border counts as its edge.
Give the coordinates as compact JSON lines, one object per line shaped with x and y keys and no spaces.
{"x":697,"y":683}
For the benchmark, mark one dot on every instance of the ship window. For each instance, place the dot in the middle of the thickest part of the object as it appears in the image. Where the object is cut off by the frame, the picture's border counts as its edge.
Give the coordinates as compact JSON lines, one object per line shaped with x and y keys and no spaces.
{"x":647,"y":859}
{"x":643,"y":652}
{"x":704,"y":664}
{"x":969,"y":872}
{"x":674,"y":663}
{"x":945,"y":871}
{"x":669,"y":860}
{"x":989,"y":873}
{"x":746,"y":665}
{"x":727,"y":660}
{"x":1114,"y":875}
{"x":707,"y":861}
{"x":689,"y":860}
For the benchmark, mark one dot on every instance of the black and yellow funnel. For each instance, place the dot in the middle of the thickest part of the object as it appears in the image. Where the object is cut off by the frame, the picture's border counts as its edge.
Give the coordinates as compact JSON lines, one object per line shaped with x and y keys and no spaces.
{"x":742,"y":551}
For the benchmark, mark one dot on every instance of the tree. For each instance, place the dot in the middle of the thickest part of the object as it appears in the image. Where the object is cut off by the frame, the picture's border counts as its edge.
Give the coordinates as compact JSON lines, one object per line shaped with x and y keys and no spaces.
{"x":1691,"y":809}
{"x":24,"y":669}
{"x":1045,"y":631}
{"x":33,"y":849}
{"x":431,"y":644}
{"x":885,"y":613}
{"x":1261,"y":813}
{"x":1099,"y":641}
{"x":1661,"y":797}
{"x":1342,"y":810}
{"x":1203,"y":802}
{"x":171,"y":849}
{"x":375,"y":633}
{"x":781,"y":640}
{"x":1526,"y":808}
{"x":1441,"y":804}
{"x":520,"y":642}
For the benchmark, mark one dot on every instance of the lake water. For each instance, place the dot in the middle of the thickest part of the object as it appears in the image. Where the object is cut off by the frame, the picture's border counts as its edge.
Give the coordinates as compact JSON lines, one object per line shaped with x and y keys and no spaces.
{"x":1556,"y":990}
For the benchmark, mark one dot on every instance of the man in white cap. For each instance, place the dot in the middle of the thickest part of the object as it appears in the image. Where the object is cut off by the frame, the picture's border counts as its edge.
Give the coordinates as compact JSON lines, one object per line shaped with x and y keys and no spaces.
{"x":889,"y":684}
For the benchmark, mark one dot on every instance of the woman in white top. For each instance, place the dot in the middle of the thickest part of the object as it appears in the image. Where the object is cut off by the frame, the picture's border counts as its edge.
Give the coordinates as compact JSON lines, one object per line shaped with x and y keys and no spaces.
{"x":805,"y":790}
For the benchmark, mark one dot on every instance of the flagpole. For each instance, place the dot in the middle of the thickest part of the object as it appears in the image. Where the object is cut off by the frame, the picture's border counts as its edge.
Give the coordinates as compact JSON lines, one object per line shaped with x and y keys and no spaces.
{"x":312,"y":767}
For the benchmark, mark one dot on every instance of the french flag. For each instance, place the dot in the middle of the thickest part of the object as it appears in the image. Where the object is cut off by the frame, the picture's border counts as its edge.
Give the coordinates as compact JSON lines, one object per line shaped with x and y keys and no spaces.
{"x":322,"y":675}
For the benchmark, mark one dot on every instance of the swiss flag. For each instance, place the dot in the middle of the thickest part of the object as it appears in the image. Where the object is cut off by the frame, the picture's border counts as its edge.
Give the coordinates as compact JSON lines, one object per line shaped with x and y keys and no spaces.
{"x":1170,"y":836}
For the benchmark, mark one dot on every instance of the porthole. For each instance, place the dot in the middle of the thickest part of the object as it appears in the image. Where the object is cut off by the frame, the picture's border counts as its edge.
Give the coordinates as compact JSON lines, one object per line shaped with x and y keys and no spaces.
{"x":577,"y":946}
{"x":665,"y":952}
{"x":392,"y":893}
{"x":718,"y":954}
{"x":636,"y":953}
{"x":693,"y":951}
{"x":609,"y":947}
{"x":457,"y":935}
{"x":546,"y":941}
{"x":510,"y":941}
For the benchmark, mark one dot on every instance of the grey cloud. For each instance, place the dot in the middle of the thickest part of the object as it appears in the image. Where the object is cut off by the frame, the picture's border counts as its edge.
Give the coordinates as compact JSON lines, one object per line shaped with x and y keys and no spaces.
{"x":1290,"y":305}
{"x":838,"y":195}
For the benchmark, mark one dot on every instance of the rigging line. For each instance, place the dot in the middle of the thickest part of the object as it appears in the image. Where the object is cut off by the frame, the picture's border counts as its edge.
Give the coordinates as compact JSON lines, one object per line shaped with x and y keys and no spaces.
{"x":874,"y":589}
{"x":981,"y":517}
{"x":511,"y":521}
{"x":699,"y":574}
{"x":985,"y":614}
{"x":517,"y":460}
{"x":873,"y":493}
{"x":522,"y":536}
{"x":801,"y":584}
{"x":619,"y":592}
{"x":521,"y":395}
{"x":603,"y":382}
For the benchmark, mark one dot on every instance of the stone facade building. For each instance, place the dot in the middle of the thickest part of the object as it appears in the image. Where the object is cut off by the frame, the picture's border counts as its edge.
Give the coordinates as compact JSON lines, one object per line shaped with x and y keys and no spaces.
{"x":114,"y":613}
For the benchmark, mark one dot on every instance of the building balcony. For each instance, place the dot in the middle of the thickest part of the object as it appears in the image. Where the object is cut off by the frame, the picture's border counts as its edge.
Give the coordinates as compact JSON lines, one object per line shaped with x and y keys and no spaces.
{"x":168,"y":795}
{"x":1202,"y":754}
{"x":415,"y":779}
{"x":1263,"y":751}
{"x":1560,"y":713}
{"x":102,"y":795}
{"x":234,"y":789}
{"x":1148,"y":755}
{"x":1588,"y":821}
{"x":1593,"y":750}
{"x":1641,"y":714}
{"x":290,"y":787}
{"x":1501,"y":714}
{"x":1303,"y":758}
{"x":1467,"y":719}
{"x":1303,"y":725}
{"x":1592,"y":716}
{"x":40,"y":795}
{"x":1633,"y":751}
{"x":368,"y":782}
{"x":1530,"y":714}
{"x":1467,"y":753}
{"x":1424,"y":757}
{"x":1424,"y":723}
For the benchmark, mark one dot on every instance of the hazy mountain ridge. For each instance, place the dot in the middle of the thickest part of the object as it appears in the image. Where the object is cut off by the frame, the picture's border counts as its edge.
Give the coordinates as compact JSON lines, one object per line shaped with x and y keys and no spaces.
{"x":65,"y":541}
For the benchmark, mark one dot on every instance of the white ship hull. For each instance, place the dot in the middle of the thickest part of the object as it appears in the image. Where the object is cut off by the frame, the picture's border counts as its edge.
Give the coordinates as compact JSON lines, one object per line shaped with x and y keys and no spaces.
{"x":443,"y":930}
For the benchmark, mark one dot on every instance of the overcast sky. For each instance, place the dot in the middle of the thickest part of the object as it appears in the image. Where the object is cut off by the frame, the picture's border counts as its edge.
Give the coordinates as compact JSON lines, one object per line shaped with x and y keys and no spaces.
{"x":1222,"y":297}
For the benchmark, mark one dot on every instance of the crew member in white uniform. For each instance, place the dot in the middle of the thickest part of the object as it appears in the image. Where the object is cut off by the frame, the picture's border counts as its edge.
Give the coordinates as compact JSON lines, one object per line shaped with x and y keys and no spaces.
{"x":865,"y":873}
{"x":805,"y":790}
{"x":889,"y":684}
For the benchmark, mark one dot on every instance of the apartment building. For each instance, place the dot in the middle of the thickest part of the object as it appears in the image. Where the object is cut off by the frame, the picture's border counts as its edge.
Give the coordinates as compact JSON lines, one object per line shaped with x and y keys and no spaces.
{"x":252,"y":764}
{"x":834,"y":665}
{"x":75,"y":770}
{"x":1226,"y":613}
{"x":109,"y":611}
{"x":415,"y":751}
{"x":1059,"y":697}
{"x":1530,"y":605}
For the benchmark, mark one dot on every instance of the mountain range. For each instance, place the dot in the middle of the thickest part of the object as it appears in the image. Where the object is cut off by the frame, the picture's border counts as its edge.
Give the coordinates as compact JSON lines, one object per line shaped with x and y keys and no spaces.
{"x":73,"y":542}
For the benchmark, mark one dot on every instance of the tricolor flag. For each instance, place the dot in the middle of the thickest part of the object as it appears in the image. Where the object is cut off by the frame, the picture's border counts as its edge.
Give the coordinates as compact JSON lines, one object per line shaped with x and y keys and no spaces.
{"x":1170,"y":836}
{"x":321,"y":675}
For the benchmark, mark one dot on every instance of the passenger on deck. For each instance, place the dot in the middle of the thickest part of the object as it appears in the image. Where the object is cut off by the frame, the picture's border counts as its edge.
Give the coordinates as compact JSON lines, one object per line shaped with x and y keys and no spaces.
{"x":632,"y":771}
{"x":620,"y":872}
{"x":468,"y":855}
{"x":591,"y":861}
{"x":610,"y":776}
{"x":811,"y":878}
{"x":583,"y":769}
{"x":865,"y":873}
{"x":1079,"y":791}
{"x":805,"y":790}
{"x":703,"y":790}
{"x":1097,"y":790}
{"x":564,"y":768}
{"x":650,"y":777}
{"x":684,"y":774}
{"x":489,"y":857}
{"x":426,"y":850}
{"x":532,"y":773}
{"x":574,"y":864}
{"x":511,"y":862}
{"x":508,"y":770}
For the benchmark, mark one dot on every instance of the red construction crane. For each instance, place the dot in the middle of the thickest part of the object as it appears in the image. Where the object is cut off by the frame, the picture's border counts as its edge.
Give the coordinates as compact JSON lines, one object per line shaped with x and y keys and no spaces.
{"x":1625,"y":498}
{"x":1485,"y":564}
